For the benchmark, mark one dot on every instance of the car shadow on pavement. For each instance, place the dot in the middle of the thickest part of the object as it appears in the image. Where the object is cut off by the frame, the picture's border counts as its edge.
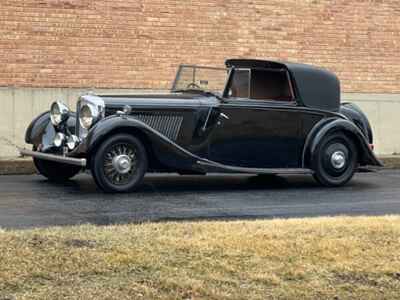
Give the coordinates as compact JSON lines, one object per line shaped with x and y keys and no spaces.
{"x":162,"y":183}
{"x":226,"y":183}
{"x":38,"y":202}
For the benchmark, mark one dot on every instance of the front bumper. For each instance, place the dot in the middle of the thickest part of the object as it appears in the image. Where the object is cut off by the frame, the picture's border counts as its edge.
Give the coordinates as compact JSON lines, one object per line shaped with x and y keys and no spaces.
{"x":81,"y":162}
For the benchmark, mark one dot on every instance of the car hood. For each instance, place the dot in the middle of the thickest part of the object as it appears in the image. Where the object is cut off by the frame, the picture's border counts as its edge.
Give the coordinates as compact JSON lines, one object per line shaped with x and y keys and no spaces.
{"x":158,"y":100}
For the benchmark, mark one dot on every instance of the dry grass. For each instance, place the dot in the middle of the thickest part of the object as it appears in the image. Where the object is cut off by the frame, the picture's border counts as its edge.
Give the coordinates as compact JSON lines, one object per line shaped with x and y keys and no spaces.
{"x":324,"y":258}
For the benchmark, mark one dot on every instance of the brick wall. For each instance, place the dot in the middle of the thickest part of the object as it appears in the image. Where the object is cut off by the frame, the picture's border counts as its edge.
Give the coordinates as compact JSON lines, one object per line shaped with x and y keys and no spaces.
{"x":139,"y":43}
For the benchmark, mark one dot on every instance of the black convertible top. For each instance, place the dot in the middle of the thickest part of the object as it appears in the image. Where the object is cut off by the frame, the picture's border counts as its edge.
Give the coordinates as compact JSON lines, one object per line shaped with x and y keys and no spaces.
{"x":315,"y":87}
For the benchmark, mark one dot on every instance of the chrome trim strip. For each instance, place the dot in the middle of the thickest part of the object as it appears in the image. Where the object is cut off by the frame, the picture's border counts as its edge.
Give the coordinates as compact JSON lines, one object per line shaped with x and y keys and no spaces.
{"x":53,"y":157}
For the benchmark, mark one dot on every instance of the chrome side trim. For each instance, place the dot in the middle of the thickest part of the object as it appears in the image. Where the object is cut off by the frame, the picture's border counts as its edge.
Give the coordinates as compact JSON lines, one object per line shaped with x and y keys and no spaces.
{"x":53,"y":157}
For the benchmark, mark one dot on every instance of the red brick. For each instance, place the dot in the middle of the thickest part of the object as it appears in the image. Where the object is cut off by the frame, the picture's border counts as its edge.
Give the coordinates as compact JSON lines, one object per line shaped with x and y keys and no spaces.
{"x":140,"y":43}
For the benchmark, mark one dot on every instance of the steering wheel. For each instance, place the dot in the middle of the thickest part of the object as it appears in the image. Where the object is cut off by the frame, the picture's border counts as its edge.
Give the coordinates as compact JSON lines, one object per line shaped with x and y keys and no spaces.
{"x":193,"y":85}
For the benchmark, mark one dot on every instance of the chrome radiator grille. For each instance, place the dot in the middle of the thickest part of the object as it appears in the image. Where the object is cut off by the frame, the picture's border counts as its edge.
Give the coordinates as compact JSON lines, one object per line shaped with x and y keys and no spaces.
{"x":79,"y":130}
{"x":168,"y":125}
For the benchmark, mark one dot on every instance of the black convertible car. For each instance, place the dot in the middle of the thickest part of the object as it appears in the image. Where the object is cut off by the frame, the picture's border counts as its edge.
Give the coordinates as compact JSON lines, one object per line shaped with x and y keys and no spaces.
{"x":254,"y":116}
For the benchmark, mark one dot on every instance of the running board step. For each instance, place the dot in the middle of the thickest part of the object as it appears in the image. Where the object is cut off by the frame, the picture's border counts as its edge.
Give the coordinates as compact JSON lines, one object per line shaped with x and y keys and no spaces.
{"x":233,"y":169}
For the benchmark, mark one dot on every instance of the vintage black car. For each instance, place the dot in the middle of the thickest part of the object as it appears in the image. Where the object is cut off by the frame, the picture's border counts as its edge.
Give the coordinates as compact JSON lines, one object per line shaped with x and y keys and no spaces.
{"x":254,"y":117}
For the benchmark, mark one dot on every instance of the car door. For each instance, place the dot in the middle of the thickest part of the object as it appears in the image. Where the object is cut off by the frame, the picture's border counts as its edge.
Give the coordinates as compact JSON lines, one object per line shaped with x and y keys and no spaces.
{"x":257,"y":133}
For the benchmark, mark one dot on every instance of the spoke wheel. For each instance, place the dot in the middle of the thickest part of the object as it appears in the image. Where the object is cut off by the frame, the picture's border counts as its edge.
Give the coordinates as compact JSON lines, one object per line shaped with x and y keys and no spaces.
{"x":335,"y":161}
{"x":119,"y":164}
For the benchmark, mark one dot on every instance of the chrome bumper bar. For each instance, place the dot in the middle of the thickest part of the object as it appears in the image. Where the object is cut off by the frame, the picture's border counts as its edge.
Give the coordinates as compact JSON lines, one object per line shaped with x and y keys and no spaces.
{"x":53,"y":157}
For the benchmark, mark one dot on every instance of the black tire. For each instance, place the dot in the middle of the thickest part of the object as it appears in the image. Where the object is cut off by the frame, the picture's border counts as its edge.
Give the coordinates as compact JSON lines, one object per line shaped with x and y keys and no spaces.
{"x":54,"y":171}
{"x":329,"y":167}
{"x":104,"y":164}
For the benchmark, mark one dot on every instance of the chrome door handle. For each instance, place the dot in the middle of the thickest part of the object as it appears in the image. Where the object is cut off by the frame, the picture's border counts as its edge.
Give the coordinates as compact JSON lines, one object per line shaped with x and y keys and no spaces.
{"x":224,"y":116}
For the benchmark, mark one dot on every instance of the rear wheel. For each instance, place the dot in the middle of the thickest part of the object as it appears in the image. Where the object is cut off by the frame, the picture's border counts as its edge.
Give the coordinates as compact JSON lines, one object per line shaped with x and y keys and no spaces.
{"x":335,"y":161}
{"x":119,"y":164}
{"x":55,"y":171}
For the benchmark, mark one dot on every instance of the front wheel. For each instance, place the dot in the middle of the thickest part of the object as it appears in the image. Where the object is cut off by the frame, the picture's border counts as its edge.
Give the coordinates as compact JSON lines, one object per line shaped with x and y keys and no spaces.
{"x":120,"y":164}
{"x":335,"y":161}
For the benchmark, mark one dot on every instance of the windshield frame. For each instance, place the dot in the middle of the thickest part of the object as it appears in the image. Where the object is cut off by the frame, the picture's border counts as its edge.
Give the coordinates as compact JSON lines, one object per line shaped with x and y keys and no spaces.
{"x":182,"y":66}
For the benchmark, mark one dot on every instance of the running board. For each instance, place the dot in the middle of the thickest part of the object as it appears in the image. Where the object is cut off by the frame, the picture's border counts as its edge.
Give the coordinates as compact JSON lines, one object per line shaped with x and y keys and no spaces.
{"x":232,"y":169}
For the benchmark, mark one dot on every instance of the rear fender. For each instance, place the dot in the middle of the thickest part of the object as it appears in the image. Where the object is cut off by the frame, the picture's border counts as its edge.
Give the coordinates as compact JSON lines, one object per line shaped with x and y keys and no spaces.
{"x":166,"y":151}
{"x":332,"y":125}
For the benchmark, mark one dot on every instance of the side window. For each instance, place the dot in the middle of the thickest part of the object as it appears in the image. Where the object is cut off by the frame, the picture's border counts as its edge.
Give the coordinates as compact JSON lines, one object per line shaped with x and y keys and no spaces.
{"x":262,"y":84}
{"x":271,"y":85}
{"x":240,"y":85}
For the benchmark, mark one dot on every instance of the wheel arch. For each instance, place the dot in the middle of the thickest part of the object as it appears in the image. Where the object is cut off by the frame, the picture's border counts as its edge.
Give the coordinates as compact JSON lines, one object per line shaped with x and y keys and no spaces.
{"x":335,"y":125}
{"x":163,"y":153}
{"x":130,"y":130}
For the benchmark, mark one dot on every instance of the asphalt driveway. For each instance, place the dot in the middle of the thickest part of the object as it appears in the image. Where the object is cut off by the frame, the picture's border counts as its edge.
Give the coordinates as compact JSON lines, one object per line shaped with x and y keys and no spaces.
{"x":31,"y":201}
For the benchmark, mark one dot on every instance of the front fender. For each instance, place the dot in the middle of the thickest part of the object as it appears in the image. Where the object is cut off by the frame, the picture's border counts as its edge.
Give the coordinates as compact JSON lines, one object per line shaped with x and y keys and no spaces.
{"x":331,"y":125}
{"x":167,"y":152}
{"x":37,"y":129}
{"x":41,"y":132}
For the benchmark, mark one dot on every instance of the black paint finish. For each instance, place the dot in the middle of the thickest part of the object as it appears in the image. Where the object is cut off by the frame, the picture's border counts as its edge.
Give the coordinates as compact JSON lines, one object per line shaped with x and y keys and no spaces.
{"x":257,"y":137}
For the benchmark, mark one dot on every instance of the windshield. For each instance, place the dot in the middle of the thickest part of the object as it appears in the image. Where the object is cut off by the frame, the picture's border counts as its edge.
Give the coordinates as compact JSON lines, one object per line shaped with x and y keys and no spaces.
{"x":208,"y":79}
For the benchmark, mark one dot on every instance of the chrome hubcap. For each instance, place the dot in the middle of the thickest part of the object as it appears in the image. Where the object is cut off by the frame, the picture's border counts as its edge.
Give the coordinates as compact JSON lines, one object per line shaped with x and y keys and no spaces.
{"x":120,"y":164}
{"x":338,"y":159}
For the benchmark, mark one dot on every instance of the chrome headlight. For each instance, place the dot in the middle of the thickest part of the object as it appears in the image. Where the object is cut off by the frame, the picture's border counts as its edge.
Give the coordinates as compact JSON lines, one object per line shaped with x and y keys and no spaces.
{"x":59,"y":113}
{"x":88,"y":115}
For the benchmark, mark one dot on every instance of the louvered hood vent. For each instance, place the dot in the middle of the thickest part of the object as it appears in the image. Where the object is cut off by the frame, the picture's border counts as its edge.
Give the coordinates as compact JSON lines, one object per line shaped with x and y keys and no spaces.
{"x":167,"y":124}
